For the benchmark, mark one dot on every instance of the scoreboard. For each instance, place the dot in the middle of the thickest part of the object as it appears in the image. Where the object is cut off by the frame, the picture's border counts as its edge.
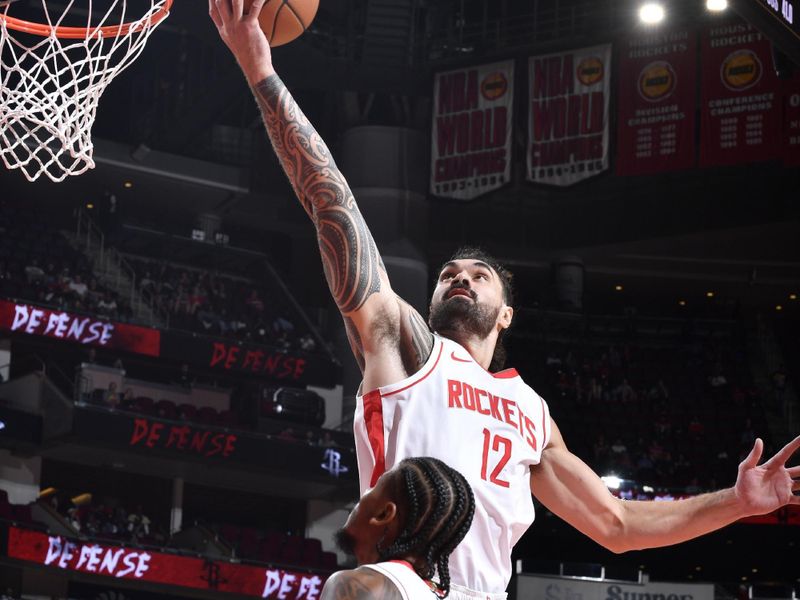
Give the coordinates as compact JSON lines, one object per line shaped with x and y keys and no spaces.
{"x":778,"y":20}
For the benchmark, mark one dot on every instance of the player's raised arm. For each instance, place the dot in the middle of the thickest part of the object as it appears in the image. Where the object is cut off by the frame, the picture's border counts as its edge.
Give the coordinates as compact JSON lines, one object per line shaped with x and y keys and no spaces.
{"x":570,"y":489}
{"x":375,"y":318}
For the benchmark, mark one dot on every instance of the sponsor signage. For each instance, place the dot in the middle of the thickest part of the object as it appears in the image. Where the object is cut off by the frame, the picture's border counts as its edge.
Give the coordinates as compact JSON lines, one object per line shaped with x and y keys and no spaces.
{"x":90,"y":331}
{"x":568,"y":116}
{"x":740,"y":97}
{"x":657,"y":90}
{"x":472,"y":130}
{"x":542,"y":587}
{"x":118,"y":562}
{"x":191,"y":441}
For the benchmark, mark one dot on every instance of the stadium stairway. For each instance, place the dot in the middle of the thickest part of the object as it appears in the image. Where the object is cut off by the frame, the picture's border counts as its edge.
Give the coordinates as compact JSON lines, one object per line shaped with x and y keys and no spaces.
{"x":112,"y":270}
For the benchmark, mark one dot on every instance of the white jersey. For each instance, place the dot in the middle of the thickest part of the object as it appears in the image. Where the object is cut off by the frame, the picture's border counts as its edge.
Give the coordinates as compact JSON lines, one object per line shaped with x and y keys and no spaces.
{"x":490,"y":427}
{"x":412,"y":587}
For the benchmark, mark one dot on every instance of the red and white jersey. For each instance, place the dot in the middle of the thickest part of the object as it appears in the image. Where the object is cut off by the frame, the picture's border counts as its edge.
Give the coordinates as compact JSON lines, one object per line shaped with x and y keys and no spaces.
{"x":490,"y":427}
{"x":410,"y":585}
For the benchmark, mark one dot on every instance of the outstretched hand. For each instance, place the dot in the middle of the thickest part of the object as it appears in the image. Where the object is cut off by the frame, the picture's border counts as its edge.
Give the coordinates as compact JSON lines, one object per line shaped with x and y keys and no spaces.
{"x":242,"y":33}
{"x":764,"y":488}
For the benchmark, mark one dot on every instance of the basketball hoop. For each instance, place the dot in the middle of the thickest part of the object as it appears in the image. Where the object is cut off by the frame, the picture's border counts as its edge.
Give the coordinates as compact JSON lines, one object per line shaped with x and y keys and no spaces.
{"x":52,"y":76}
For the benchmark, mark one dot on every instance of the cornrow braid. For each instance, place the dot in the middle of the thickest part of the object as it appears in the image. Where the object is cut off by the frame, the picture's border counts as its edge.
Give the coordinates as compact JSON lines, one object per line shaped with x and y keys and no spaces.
{"x":439,"y":511}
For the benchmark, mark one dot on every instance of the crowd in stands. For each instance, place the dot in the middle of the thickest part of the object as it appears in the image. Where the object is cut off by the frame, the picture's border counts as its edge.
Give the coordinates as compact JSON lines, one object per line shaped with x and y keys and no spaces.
{"x":662,"y":416}
{"x":38,"y":264}
{"x":276,"y":547}
{"x":110,"y":520}
{"x":213,"y":303}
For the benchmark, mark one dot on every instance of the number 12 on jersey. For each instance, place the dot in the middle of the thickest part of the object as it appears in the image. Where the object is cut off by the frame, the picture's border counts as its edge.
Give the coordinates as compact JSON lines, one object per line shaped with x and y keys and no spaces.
{"x":496,"y":445}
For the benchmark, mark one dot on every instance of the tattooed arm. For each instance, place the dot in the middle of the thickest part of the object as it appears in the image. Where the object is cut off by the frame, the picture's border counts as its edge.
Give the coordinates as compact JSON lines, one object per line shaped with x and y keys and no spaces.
{"x":360,"y":584}
{"x":389,"y":338}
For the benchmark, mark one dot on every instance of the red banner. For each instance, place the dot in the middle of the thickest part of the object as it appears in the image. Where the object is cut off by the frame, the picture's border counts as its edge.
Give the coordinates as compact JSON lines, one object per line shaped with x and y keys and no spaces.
{"x":156,"y":567}
{"x":569,"y":99}
{"x":90,"y":331}
{"x":791,"y":121}
{"x":657,"y":103}
{"x":741,"y":101}
{"x":472,"y":130}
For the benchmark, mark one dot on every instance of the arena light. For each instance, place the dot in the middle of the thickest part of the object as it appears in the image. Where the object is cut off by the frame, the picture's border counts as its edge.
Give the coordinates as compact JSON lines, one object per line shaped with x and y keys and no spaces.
{"x":792,"y":296}
{"x":681,"y":302}
{"x":618,"y":288}
{"x":709,"y":294}
{"x":651,"y":13}
{"x":716,"y":5}
{"x":779,"y":308}
{"x":612,"y":481}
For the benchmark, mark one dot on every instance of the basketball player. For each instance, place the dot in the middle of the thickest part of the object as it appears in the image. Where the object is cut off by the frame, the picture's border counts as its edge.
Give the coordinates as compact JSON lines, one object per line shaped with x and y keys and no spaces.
{"x":434,"y":390}
{"x":403,"y":530}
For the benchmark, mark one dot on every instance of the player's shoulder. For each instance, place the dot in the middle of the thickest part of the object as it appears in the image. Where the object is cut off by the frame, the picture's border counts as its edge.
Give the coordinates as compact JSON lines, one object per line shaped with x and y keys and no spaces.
{"x":362,"y":583}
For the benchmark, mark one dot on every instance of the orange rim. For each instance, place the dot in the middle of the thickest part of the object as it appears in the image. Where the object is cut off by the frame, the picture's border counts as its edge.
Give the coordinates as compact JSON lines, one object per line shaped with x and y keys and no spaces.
{"x":77,"y":33}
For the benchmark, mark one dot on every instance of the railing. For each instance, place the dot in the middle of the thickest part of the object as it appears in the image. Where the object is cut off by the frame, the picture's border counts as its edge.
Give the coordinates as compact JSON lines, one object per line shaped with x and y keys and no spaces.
{"x":92,"y":238}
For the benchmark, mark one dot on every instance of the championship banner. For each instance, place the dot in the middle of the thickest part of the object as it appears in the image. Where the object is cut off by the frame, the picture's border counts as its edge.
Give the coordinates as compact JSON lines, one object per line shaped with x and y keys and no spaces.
{"x":740,"y":97}
{"x":657,"y":103}
{"x":90,"y":331}
{"x":472,"y":127}
{"x":118,"y":562}
{"x":569,"y":94}
{"x":791,"y":121}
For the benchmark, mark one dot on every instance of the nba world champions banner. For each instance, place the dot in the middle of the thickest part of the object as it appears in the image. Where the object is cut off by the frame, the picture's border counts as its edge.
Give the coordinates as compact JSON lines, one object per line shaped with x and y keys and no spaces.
{"x":657,"y":90}
{"x":568,"y":129}
{"x":740,"y":98}
{"x":472,"y":126}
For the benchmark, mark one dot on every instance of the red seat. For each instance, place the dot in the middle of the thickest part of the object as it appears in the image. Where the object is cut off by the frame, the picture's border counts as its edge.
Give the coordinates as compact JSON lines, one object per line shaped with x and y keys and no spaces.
{"x":311,"y":554}
{"x":207,"y":415}
{"x":292,"y":550}
{"x":166,"y":409}
{"x":249,"y":543}
{"x":22,"y":513}
{"x":188,"y":412}
{"x":329,"y":561}
{"x":229,"y":533}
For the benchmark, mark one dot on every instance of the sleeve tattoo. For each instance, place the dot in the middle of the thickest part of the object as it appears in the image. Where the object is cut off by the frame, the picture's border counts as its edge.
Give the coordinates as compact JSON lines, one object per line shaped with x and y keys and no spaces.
{"x":350,"y":257}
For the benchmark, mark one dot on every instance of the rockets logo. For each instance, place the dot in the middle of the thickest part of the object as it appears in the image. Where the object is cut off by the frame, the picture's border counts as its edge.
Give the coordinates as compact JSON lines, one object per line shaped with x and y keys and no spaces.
{"x":494,"y":86}
{"x":657,"y":81}
{"x":741,"y":70}
{"x":590,"y":71}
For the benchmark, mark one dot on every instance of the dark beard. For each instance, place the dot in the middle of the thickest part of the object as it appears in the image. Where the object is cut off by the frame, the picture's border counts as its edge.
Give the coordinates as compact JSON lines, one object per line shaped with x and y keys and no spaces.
{"x":458,"y":316}
{"x":345,"y":542}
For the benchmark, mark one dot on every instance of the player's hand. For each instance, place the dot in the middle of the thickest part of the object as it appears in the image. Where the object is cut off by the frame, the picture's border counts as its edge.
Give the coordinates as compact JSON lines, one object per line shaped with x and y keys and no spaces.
{"x":762,"y":489}
{"x":241,"y":32}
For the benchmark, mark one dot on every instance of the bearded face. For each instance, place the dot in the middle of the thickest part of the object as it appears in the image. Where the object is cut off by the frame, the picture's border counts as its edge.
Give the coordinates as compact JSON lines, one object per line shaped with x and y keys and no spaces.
{"x":467,"y":300}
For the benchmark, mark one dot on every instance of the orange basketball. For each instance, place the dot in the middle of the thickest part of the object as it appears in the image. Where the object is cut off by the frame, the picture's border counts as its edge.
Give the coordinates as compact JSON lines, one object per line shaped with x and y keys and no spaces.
{"x":285,"y":20}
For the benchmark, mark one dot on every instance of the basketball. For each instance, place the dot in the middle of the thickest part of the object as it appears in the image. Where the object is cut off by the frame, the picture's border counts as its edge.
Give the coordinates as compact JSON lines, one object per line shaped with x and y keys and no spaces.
{"x":285,"y":20}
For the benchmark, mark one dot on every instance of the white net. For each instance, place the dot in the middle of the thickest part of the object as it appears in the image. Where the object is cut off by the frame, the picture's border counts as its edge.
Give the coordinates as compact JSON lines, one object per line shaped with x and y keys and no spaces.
{"x":52,"y":76}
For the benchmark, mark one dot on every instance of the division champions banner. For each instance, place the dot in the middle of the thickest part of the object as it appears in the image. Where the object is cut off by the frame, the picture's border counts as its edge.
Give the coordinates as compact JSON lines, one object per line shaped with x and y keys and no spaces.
{"x":740,"y":99}
{"x":472,"y":126}
{"x":657,"y":90}
{"x":568,"y":130}
{"x":791,"y":121}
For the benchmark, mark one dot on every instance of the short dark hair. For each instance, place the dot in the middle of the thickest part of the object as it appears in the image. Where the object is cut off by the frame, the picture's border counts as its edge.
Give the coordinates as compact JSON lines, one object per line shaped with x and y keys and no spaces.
{"x":506,"y":276}
{"x":506,"y":280}
{"x":438,"y":514}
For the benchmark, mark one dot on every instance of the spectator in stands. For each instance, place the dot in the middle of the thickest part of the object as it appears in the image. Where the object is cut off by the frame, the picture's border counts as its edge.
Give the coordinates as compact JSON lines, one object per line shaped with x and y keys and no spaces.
{"x":185,"y":378}
{"x":287,"y":435}
{"x":138,"y":524}
{"x":696,"y":428}
{"x":384,"y":529}
{"x":128,"y":398}
{"x":107,"y":307}
{"x":5,"y":274}
{"x":625,"y":392}
{"x":118,"y":365}
{"x":327,"y":441}
{"x":659,"y":391}
{"x":34,"y":272}
{"x":112,"y":398}
{"x":78,"y":287}
{"x":254,"y":303}
{"x":779,"y":387}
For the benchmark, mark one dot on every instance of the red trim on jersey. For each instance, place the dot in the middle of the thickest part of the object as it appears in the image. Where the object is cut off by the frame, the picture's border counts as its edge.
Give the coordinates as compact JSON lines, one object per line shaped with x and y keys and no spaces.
{"x":505,"y":374}
{"x":544,"y":429}
{"x":421,"y":379}
{"x":454,"y":357}
{"x":373,"y":420}
{"x":403,"y":562}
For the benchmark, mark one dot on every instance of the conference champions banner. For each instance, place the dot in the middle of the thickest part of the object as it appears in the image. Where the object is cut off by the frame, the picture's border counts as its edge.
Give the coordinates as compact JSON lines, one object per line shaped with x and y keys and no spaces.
{"x":791,"y":121}
{"x":472,"y":127}
{"x":568,"y":122}
{"x":657,"y":88}
{"x":740,"y":97}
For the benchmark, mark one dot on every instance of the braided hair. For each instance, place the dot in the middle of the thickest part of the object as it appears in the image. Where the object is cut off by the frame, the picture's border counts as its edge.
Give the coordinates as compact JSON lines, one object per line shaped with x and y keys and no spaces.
{"x":439,"y":511}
